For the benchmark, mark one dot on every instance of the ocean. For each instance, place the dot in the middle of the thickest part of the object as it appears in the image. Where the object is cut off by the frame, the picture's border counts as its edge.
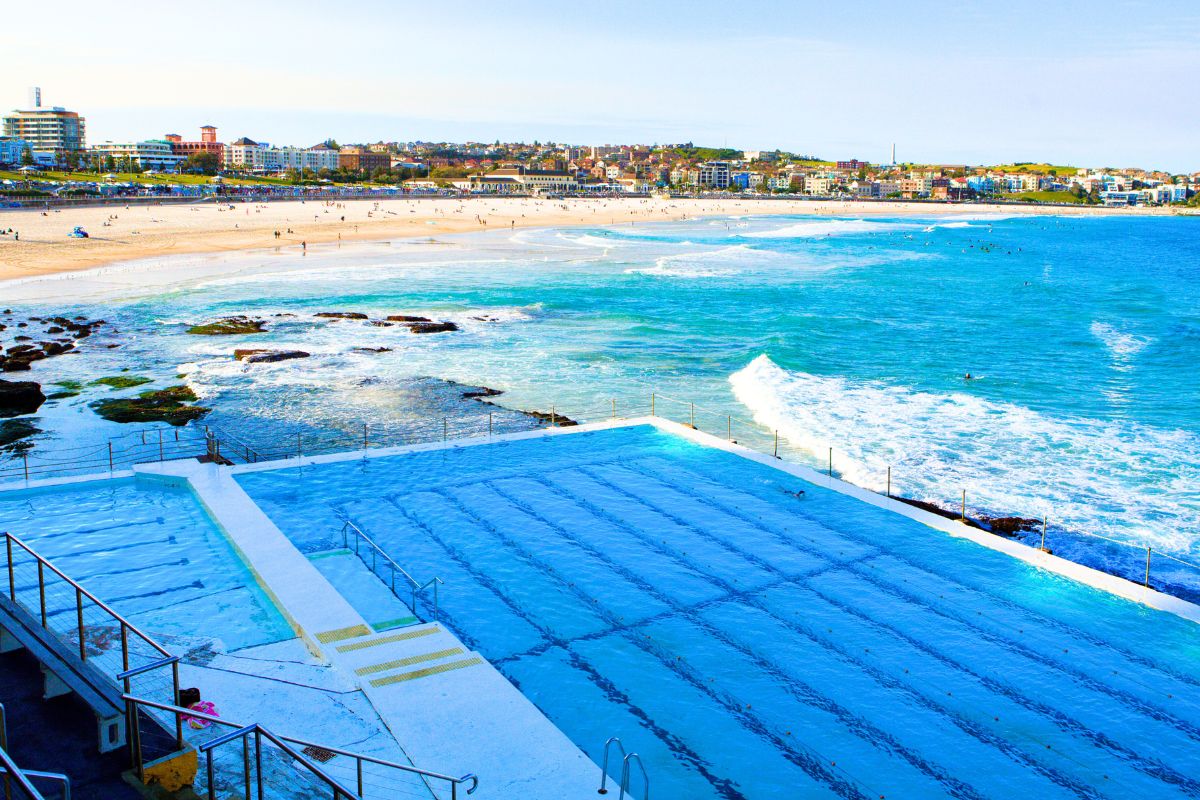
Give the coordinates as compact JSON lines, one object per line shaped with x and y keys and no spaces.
{"x":1081,"y":337}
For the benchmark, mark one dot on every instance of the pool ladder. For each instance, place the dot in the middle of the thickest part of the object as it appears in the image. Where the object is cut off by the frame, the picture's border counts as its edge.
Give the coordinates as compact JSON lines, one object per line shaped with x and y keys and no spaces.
{"x":627,"y":759}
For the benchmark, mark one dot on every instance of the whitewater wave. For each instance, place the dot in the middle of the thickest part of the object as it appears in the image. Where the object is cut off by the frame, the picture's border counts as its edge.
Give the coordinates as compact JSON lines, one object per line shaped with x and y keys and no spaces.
{"x":588,"y":240}
{"x":719,"y":263}
{"x":1114,"y":478}
{"x":833,"y":227}
{"x":1122,"y":347}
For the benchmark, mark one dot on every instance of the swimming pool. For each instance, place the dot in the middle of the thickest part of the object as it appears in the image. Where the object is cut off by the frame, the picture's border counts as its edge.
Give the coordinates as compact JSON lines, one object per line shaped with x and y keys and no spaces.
{"x":753,"y":635}
{"x":151,"y":552}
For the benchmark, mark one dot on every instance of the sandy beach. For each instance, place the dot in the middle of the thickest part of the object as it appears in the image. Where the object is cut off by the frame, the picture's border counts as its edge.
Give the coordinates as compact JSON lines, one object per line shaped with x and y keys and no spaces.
{"x":119,"y":233}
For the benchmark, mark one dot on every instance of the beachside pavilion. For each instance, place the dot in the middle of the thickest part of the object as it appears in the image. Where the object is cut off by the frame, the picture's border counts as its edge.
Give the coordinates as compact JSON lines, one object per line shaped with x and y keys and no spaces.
{"x":633,"y":606}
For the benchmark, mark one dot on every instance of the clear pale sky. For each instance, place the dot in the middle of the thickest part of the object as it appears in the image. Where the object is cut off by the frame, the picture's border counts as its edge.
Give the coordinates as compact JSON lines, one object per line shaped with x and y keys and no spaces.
{"x":1098,"y":83}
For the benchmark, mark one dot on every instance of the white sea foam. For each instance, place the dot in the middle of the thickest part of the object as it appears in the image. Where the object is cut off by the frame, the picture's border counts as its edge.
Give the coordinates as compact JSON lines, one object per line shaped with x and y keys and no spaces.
{"x":833,"y":227}
{"x":1115,"y":478}
{"x":718,"y":263}
{"x":1122,"y":346}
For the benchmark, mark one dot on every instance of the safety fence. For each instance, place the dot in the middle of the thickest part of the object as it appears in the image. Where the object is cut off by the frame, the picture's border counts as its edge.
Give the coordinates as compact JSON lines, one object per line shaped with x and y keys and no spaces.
{"x":1139,"y":563}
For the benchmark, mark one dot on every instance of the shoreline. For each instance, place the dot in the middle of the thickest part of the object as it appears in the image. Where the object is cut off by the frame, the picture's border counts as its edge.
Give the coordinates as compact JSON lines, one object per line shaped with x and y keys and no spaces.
{"x":137,"y":232}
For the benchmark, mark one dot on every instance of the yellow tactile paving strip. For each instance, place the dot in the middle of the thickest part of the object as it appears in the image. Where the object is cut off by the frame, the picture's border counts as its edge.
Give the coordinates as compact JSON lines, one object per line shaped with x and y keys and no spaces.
{"x":395,"y":637}
{"x":339,"y":634}
{"x":427,"y":671}
{"x":408,"y":662}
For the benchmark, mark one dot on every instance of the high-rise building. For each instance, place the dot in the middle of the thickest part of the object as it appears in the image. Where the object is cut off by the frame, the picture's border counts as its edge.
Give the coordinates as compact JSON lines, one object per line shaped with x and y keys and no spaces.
{"x":48,"y":130}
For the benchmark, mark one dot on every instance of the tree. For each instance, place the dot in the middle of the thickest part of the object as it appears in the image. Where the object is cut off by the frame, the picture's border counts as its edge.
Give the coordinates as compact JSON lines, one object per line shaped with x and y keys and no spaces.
{"x":27,"y":156}
{"x":204,"y":162}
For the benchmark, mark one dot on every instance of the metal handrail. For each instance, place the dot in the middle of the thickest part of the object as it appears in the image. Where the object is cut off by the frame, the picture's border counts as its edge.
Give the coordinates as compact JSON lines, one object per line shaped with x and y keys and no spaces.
{"x":416,"y":586}
{"x":258,"y":731}
{"x":470,"y":779}
{"x":10,"y":771}
{"x":625,"y":776}
{"x":604,"y":762}
{"x":80,"y":593}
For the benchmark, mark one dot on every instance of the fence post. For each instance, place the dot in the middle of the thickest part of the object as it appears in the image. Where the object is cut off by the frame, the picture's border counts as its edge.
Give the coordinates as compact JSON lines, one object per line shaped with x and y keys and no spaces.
{"x":889,"y":483}
{"x":1147,"y":567}
{"x":1043,"y":547}
{"x":79,"y":620}
{"x":366,"y":436}
{"x":553,"y":418}
{"x":777,"y":443}
{"x":25,"y":461}
{"x":489,"y":423}
{"x":160,"y":445}
{"x":614,"y":405}
{"x":652,"y":404}
{"x":831,"y":462}
{"x":445,"y":429}
{"x":964,"y":505}
{"x":42,"y":589}
{"x":299,"y":449}
{"x":110,"y":457}
{"x":692,"y":409}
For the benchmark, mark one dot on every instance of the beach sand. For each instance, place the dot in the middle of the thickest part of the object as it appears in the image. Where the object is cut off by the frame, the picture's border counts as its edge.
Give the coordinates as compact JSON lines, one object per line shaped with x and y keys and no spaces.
{"x":151,"y":231}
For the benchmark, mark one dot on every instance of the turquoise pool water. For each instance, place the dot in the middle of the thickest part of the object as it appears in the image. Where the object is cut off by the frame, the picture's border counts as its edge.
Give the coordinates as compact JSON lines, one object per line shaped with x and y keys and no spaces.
{"x":153,"y":554}
{"x":755,"y":636}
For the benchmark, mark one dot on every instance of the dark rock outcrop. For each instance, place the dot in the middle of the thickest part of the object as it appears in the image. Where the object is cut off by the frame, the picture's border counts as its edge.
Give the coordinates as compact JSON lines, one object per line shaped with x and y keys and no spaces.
{"x":164,"y":405}
{"x":431,"y":327}
{"x":1012,"y":526}
{"x":268,"y":356}
{"x":482,"y":391}
{"x":20,"y":397}
{"x":341,"y":315}
{"x":372,"y":349}
{"x":407,"y":318}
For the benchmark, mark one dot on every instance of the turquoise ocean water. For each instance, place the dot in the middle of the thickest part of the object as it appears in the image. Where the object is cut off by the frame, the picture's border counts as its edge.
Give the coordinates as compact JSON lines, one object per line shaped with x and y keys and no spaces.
{"x":1081,"y":336}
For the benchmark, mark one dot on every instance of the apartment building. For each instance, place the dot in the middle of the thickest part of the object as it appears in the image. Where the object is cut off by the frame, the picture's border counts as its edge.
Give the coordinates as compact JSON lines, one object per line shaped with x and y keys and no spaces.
{"x":150,"y":154}
{"x":50,"y":130}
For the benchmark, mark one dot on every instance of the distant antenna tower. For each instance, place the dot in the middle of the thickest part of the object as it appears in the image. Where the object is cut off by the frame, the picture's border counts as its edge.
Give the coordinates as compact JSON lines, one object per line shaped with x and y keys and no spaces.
{"x":893,"y":154}
{"x":35,"y":97}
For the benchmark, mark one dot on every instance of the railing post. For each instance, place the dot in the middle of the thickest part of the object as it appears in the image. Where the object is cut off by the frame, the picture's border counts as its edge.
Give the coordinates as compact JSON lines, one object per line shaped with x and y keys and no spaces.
{"x":160,"y":445}
{"x":12,"y":583}
{"x":79,"y":620}
{"x":445,"y":429}
{"x":831,"y":462}
{"x":125,"y":653}
{"x":42,"y":590}
{"x":358,"y":761}
{"x":299,"y":448}
{"x":1147,"y":567}
{"x":258,"y":763}
{"x":489,"y":423}
{"x":692,"y":415}
{"x":25,"y":461}
{"x":777,"y":443}
{"x":652,"y":404}
{"x":1043,"y":547}
{"x":212,"y":792}
{"x":553,"y":418}
{"x":175,"y":702}
{"x":889,"y":483}
{"x":366,"y":437}
{"x":964,"y":505}
{"x":110,"y":457}
{"x":246,"y":764}
{"x":614,"y":407}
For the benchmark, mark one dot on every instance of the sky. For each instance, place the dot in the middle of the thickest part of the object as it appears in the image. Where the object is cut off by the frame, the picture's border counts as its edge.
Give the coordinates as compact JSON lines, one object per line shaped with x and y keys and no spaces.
{"x":1097,"y":83}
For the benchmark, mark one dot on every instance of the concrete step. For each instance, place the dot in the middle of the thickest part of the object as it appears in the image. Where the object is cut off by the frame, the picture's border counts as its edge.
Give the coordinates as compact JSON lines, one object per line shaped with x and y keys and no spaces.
{"x":365,"y":590}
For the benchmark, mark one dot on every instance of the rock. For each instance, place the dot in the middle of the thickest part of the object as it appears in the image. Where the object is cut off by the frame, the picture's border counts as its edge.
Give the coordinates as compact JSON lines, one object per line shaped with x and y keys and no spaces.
{"x":405,"y":318}
{"x":341,"y":315}
{"x":432,"y":327}
{"x":482,"y":391}
{"x":54,"y":329}
{"x":551,"y":419}
{"x":24,"y":338}
{"x":381,"y":324}
{"x":164,"y":405}
{"x":12,"y":431}
{"x":268,"y":356}
{"x":56,"y":348}
{"x":20,"y":397}
{"x":1012,"y":526}
{"x":229,"y":326}
{"x":372,"y":349}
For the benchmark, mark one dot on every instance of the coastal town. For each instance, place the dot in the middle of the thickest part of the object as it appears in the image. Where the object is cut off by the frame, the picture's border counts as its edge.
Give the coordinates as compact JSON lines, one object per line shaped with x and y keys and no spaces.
{"x":45,"y":155}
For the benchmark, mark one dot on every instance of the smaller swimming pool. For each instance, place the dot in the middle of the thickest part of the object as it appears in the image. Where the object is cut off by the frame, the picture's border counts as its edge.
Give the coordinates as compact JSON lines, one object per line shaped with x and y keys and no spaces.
{"x":753,"y":635}
{"x":152,"y":553}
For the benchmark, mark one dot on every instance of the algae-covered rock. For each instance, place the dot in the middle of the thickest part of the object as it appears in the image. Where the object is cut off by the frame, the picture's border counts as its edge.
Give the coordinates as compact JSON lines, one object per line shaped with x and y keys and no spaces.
{"x":229,"y":326}
{"x":121,"y":381}
{"x":160,"y":405}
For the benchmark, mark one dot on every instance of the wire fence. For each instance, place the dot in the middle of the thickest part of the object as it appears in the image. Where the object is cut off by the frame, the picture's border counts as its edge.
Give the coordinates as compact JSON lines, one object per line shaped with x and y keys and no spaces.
{"x":1166,"y":572}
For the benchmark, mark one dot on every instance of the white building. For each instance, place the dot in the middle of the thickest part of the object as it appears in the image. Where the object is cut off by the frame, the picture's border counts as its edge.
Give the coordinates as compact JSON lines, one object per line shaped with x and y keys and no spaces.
{"x":711,"y":174}
{"x":150,"y":154}
{"x":13,"y":149}
{"x":251,"y":156}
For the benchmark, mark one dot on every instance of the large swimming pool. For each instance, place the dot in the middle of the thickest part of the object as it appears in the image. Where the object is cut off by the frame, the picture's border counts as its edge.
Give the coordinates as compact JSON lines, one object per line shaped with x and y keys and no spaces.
{"x":752,"y":635}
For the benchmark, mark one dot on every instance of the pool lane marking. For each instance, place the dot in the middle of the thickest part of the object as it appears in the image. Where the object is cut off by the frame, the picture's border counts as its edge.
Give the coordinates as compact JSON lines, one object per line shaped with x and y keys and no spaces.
{"x":395,"y":637}
{"x":408,"y":662}
{"x":427,"y":671}
{"x":1130,"y":700}
{"x":340,"y":634}
{"x":856,"y":726}
{"x":752,"y":493}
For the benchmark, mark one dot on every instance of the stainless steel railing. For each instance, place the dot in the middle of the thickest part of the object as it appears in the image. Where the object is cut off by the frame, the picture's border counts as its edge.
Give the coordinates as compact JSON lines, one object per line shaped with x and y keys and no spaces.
{"x":52,"y":593}
{"x":627,"y":762}
{"x":378,"y":553}
{"x":13,"y":776}
{"x":371,"y":776}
